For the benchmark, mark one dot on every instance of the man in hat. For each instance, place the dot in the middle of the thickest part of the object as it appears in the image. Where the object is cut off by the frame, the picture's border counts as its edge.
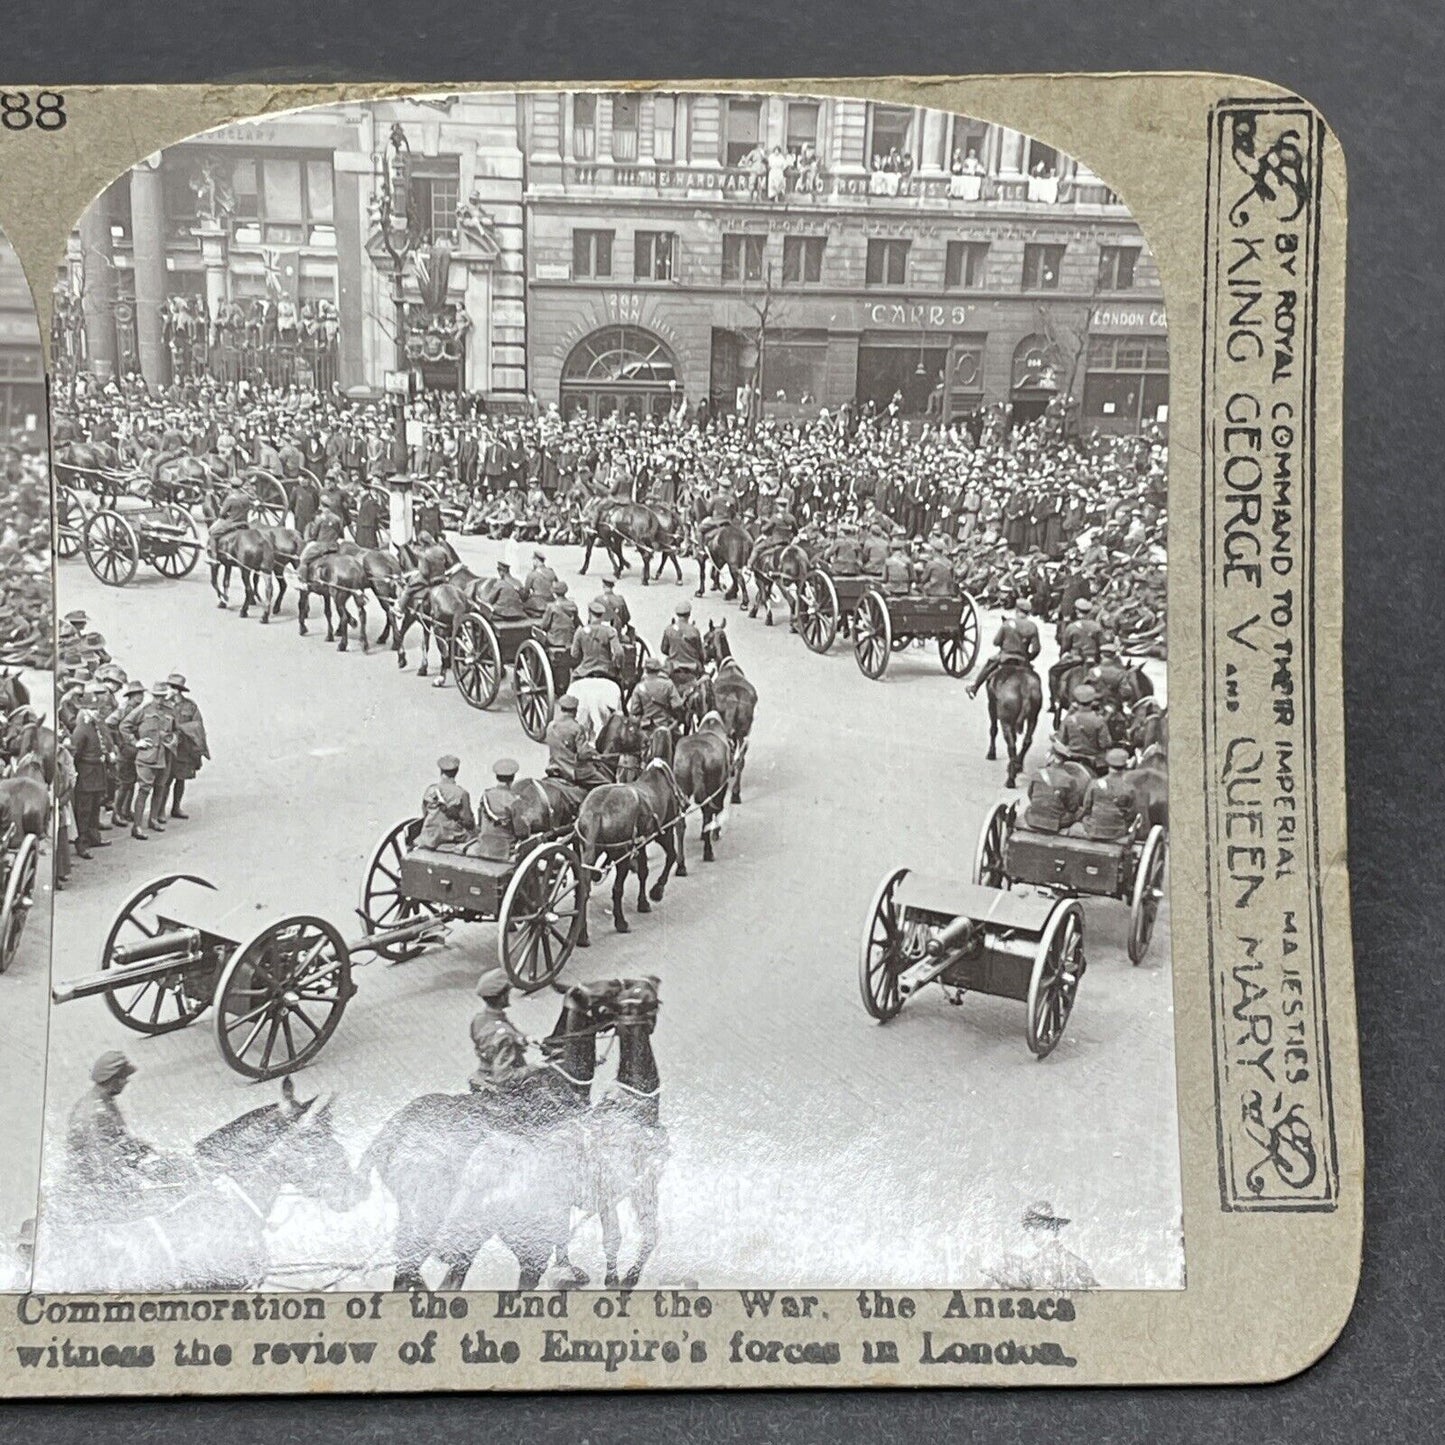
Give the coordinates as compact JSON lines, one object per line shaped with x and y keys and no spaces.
{"x":446,"y":807}
{"x":323,"y":537}
{"x":897,"y":569}
{"x":936,"y":577}
{"x":496,"y":835}
{"x":192,"y":748}
{"x":597,"y":659}
{"x":500,"y":1048}
{"x":614,"y":606}
{"x":503,"y":595}
{"x":1108,"y":674}
{"x":656,"y":703}
{"x":571,"y":757}
{"x":778,"y":530}
{"x":875,"y":550}
{"x":90,"y":748}
{"x":234,"y":514}
{"x":559,"y":621}
{"x":1043,"y":1263}
{"x":1017,"y":642}
{"x":151,"y":729}
{"x":1110,"y":805}
{"x":1084,"y":734}
{"x":1079,"y":641}
{"x":843,"y":555}
{"x":539,"y":591}
{"x":1055,"y":794}
{"x":132,"y":700}
{"x":682,"y":647}
{"x":102,"y":1156}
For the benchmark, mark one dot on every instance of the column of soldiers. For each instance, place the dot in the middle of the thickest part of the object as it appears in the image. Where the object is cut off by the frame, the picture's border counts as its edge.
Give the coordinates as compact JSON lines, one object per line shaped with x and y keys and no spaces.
{"x":125,"y":752}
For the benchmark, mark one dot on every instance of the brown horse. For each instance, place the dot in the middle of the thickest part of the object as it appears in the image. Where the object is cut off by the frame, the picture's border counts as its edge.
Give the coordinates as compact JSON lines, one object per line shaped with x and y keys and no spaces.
{"x":783,"y":567}
{"x":1150,"y":780}
{"x":726,"y":546}
{"x":440,"y":610}
{"x":383,"y":576}
{"x":702,"y":763}
{"x":648,"y":528}
{"x":341,"y":580}
{"x":616,"y":824}
{"x":286,"y":545}
{"x":250,"y":550}
{"x":1015,"y":698}
{"x":734,"y":697}
{"x":86,"y":466}
{"x":27,"y":739}
{"x":25,"y":800}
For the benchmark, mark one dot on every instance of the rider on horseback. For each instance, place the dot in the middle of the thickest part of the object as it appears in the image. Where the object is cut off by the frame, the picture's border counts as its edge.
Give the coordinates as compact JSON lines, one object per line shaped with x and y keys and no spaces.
{"x":103,"y":1159}
{"x":1109,"y":673}
{"x":777,"y":532}
{"x":724,"y":510}
{"x":682,"y":646}
{"x":431,"y":568}
{"x":500,"y":1047}
{"x":655,"y":702}
{"x":323,"y":537}
{"x":1079,"y":641}
{"x":571,"y":757}
{"x":235,"y":513}
{"x":1017,"y":642}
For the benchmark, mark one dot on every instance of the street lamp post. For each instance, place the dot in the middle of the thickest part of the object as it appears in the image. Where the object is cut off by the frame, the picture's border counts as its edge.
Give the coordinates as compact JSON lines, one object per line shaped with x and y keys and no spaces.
{"x":398,"y":238}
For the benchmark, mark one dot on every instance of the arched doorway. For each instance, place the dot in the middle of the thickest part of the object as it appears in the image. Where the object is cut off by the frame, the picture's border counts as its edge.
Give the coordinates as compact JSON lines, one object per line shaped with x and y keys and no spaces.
{"x":1038,"y":377}
{"x":619,"y":369}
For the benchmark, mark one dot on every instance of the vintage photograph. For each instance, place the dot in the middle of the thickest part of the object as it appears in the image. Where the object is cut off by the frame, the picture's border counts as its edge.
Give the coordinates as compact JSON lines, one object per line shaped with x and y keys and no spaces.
{"x":28,"y":760}
{"x":613,"y":694}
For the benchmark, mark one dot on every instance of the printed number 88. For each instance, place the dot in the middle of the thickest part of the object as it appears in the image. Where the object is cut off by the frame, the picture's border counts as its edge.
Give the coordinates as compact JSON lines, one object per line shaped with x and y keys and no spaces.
{"x":16,"y":114}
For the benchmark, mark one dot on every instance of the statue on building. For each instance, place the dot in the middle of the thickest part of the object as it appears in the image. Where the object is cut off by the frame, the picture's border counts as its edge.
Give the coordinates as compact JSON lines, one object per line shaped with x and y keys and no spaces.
{"x":215,"y":200}
{"x":473,"y":223}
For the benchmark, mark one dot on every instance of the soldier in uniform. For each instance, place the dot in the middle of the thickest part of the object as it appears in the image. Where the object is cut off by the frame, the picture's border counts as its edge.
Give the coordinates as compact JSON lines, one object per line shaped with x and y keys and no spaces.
{"x":235,"y":513}
{"x":1110,"y":807}
{"x":1044,"y":1263}
{"x":1056,"y":797}
{"x":875,"y":551}
{"x":936,"y":577}
{"x":151,"y":730}
{"x":446,"y":807}
{"x":503,"y":594}
{"x":596,"y":659}
{"x":500,"y":1048}
{"x":1084,"y":734}
{"x":192,"y":748}
{"x":132,"y":700}
{"x":1079,"y":641}
{"x":560,"y":620}
{"x":614,"y":606}
{"x":102,"y":1156}
{"x":496,"y":836}
{"x":1107,"y":675}
{"x":370,"y":518}
{"x":539,"y":589}
{"x":89,"y":748}
{"x":777,"y":532}
{"x":571,"y":757}
{"x":1017,"y":641}
{"x":897,"y":569}
{"x":843,"y":555}
{"x":323,"y":536}
{"x":682,"y":647}
{"x":655,"y":702}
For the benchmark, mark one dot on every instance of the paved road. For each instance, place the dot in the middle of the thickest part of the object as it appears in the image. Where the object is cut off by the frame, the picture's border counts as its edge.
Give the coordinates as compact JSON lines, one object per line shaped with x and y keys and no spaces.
{"x":809,"y":1145}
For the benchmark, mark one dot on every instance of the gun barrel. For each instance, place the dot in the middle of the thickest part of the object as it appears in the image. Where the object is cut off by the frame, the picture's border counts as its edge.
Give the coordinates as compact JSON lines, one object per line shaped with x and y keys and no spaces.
{"x":139,"y":963}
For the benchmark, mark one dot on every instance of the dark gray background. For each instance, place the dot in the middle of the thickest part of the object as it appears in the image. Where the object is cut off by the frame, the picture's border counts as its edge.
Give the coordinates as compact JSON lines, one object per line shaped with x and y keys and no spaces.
{"x":1375,"y":71}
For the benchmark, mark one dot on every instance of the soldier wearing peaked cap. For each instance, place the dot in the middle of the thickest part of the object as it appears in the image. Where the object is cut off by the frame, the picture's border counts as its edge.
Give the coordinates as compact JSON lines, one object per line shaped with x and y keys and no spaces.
{"x":102,"y":1156}
{"x":500,"y":1047}
{"x":447,"y":821}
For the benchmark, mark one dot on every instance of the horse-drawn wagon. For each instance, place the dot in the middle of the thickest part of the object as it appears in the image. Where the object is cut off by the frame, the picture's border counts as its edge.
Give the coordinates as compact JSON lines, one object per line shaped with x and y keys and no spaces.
{"x":179,"y":946}
{"x":1061,"y":865}
{"x":972,"y":939}
{"x":116,"y":538}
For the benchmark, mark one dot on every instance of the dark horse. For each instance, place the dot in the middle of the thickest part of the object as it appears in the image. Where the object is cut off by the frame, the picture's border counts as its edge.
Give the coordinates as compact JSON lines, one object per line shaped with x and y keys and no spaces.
{"x":726,"y":546}
{"x":783,"y":567}
{"x":734,"y":697}
{"x":249,"y":549}
{"x":434,"y":1153}
{"x":339,"y":579}
{"x":617,"y":822}
{"x":703,"y":763}
{"x":1015,"y":698}
{"x":209,"y":1229}
{"x":650,"y":529}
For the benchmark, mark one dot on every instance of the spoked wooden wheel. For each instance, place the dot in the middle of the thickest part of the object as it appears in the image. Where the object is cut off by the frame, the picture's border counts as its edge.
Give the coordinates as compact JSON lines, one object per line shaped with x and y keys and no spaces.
{"x":958,"y":650}
{"x":112,"y":551}
{"x":281,"y":996}
{"x":477,"y":660}
{"x":1148,"y":892}
{"x":1058,"y":965}
{"x":541,"y":916}
{"x":160,"y":1005}
{"x":383,"y":904}
{"x":19,"y":896}
{"x":872,"y":634}
{"x":880,"y":956}
{"x":271,"y":504}
{"x":177,"y":556}
{"x":990,"y":859}
{"x":536,"y":688}
{"x":69,"y":523}
{"x":818,"y":611}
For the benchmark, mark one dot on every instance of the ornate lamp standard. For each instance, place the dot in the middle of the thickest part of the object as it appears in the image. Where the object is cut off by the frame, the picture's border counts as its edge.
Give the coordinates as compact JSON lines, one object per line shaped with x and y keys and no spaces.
{"x":391,"y":169}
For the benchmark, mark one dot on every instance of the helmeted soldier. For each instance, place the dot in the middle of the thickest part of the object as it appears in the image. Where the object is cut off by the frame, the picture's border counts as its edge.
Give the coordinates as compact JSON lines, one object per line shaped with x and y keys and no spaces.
{"x":1084,"y":734}
{"x":571,"y":757}
{"x":1110,"y":806}
{"x":682,"y":647}
{"x":500,"y":1048}
{"x":1017,"y":641}
{"x":447,"y":823}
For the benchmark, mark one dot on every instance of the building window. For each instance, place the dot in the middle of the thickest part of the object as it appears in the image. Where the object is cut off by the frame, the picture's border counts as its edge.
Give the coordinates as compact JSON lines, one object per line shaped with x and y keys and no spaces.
{"x":435,"y":189}
{"x":584,"y":127}
{"x":970,"y":139}
{"x":890,"y":131}
{"x":1126,"y":382}
{"x":803,"y":260}
{"x":653,"y":255}
{"x":742,"y":129}
{"x":802,"y":126}
{"x":1116,"y":267}
{"x":1042,"y":265}
{"x":626,"y":121}
{"x":963,"y":267}
{"x":664,"y":128}
{"x":1042,"y":160}
{"x":742,"y":257}
{"x":887,"y":263}
{"x":795,"y":367}
{"x":591,"y":255}
{"x":282,"y":200}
